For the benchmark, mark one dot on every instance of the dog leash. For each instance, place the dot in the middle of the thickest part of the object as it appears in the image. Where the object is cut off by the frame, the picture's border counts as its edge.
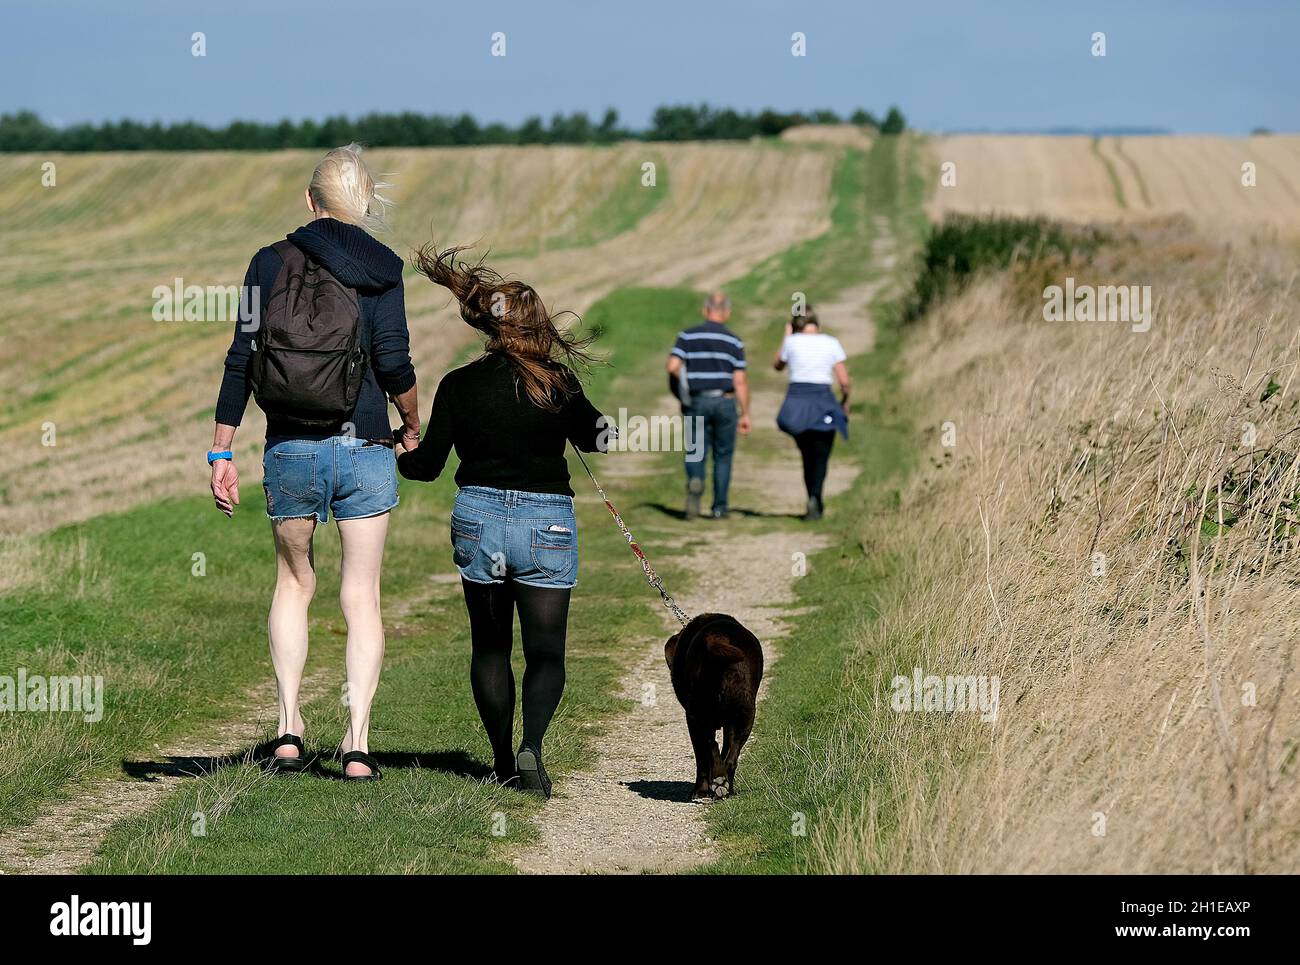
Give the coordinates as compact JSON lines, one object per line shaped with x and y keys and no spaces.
{"x":651,"y":576}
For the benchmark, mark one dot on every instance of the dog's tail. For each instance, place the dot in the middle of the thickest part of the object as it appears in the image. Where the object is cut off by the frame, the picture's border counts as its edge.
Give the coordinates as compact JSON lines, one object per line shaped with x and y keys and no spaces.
{"x":722,"y":650}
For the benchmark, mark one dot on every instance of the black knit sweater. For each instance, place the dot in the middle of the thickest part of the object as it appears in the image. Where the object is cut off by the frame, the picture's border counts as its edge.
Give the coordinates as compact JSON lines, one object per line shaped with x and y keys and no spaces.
{"x":502,"y":438}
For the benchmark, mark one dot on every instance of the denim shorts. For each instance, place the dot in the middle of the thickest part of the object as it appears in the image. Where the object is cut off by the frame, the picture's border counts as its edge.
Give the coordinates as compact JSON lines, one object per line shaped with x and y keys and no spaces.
{"x":503,"y":534}
{"x":341,"y":474}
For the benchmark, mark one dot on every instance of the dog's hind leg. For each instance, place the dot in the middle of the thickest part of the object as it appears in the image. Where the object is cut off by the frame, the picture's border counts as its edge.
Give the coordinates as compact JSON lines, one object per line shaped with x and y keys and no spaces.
{"x":707,"y":759}
{"x":734,"y":734}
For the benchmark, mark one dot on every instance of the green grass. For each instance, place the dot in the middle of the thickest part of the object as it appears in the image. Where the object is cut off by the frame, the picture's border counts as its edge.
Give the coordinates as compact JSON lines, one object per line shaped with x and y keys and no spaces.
{"x":172,"y":648}
{"x":964,"y":245}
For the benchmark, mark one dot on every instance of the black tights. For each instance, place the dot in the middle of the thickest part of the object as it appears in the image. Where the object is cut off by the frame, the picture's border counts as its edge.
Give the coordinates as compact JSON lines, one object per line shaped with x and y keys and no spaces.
{"x":815,"y":447}
{"x":543,"y":620}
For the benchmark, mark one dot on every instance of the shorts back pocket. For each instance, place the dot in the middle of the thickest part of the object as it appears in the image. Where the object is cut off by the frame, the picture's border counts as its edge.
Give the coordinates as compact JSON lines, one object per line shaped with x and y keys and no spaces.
{"x":373,"y":467}
{"x":555,"y":551}
{"x":465,"y":537}
{"x":295,"y":473}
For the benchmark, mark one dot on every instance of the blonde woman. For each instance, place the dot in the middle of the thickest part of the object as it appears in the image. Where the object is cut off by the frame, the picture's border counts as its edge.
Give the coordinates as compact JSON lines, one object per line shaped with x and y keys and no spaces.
{"x":323,"y":345}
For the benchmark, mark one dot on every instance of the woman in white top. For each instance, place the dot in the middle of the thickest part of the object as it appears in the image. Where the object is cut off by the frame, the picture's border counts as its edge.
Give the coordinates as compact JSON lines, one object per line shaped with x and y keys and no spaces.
{"x":810,"y":412}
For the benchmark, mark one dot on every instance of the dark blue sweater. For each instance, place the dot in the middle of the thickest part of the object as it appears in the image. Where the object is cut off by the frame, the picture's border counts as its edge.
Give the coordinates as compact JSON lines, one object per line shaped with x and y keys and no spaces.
{"x":360,"y":262}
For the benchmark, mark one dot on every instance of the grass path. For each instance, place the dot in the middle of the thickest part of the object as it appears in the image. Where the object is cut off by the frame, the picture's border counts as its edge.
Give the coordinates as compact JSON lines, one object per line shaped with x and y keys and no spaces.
{"x":66,"y":836}
{"x":631,"y":812}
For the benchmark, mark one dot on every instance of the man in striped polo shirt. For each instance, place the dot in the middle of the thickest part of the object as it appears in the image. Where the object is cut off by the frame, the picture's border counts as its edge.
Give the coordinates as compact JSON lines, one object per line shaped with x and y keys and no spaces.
{"x":712,"y":359}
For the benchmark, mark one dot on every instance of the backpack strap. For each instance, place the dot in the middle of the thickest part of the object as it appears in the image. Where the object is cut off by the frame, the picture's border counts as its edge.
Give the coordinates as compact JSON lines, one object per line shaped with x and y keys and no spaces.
{"x":291,"y":255}
{"x":292,"y":261}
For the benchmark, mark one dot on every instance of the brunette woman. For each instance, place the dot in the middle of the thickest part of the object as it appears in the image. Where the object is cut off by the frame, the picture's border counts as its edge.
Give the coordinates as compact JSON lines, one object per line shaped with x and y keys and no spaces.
{"x":810,"y":412}
{"x":509,"y":415}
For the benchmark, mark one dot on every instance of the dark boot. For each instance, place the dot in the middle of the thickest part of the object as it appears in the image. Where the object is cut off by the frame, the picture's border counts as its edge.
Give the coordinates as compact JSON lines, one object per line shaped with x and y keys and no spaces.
{"x":694,"y":489}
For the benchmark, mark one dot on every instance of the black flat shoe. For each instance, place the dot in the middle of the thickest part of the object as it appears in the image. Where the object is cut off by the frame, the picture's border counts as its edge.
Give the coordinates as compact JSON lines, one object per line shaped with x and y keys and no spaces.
{"x":361,"y":757}
{"x":532,"y":775}
{"x":266,"y":753}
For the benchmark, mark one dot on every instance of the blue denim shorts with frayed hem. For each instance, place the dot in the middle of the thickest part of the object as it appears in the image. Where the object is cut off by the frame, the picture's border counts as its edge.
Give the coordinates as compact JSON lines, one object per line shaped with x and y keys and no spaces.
{"x":341,"y":474}
{"x":505,"y":534}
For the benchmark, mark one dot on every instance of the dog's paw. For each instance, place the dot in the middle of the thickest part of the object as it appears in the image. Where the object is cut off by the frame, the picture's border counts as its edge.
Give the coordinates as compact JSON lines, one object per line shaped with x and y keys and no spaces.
{"x":720,"y":788}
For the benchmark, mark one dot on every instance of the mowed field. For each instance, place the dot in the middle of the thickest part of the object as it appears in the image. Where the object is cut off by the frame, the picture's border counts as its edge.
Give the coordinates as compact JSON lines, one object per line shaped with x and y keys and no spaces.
{"x":128,"y":397}
{"x":1127,"y":178}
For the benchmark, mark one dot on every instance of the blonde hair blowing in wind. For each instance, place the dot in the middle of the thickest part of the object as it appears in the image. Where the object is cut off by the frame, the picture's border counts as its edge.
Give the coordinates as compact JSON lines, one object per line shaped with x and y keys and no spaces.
{"x":342,"y":187}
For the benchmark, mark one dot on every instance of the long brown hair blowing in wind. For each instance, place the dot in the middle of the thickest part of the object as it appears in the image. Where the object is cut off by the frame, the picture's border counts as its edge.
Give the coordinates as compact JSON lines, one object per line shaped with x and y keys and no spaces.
{"x":516,"y":322}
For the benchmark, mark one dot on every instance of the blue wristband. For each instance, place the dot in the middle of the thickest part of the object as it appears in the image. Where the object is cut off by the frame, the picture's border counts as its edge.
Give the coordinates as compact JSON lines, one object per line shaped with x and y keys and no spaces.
{"x":214,"y":456}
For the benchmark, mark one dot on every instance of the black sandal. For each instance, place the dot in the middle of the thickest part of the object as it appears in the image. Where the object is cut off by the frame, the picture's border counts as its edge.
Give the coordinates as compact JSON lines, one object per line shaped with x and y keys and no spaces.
{"x":275,"y":762}
{"x":361,"y":757}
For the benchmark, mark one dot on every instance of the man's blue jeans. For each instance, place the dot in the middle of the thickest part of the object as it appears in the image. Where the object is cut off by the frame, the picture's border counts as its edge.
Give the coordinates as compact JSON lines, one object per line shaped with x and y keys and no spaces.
{"x":716,"y":416}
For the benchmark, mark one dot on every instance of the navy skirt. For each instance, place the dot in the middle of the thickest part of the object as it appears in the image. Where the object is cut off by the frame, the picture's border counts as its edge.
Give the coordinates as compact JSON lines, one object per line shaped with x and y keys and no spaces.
{"x":811,"y":405}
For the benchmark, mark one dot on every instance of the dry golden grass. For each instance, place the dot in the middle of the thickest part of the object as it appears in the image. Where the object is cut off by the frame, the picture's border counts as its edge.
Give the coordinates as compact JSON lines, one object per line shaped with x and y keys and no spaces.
{"x":1155,"y":701}
{"x":131,"y":398}
{"x":1127,"y":178}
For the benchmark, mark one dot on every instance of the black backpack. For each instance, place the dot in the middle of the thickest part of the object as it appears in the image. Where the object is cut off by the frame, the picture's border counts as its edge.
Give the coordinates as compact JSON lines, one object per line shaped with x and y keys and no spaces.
{"x":308,"y":360}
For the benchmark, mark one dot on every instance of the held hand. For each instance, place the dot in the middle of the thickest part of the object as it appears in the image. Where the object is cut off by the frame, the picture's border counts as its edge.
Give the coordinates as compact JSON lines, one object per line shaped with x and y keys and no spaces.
{"x":744,"y":425}
{"x":225,"y":485}
{"x":405,"y":439}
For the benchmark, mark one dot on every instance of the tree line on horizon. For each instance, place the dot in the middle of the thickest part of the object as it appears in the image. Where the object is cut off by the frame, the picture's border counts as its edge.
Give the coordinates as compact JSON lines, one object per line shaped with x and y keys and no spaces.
{"x":26,"y":131}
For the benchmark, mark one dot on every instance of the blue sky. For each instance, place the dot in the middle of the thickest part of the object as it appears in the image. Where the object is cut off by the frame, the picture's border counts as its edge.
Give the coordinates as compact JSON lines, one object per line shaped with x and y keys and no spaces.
{"x":1188,"y":66}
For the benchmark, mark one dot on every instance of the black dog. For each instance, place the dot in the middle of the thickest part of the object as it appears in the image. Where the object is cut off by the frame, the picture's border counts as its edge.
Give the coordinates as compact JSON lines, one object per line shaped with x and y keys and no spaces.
{"x":716,"y":667}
